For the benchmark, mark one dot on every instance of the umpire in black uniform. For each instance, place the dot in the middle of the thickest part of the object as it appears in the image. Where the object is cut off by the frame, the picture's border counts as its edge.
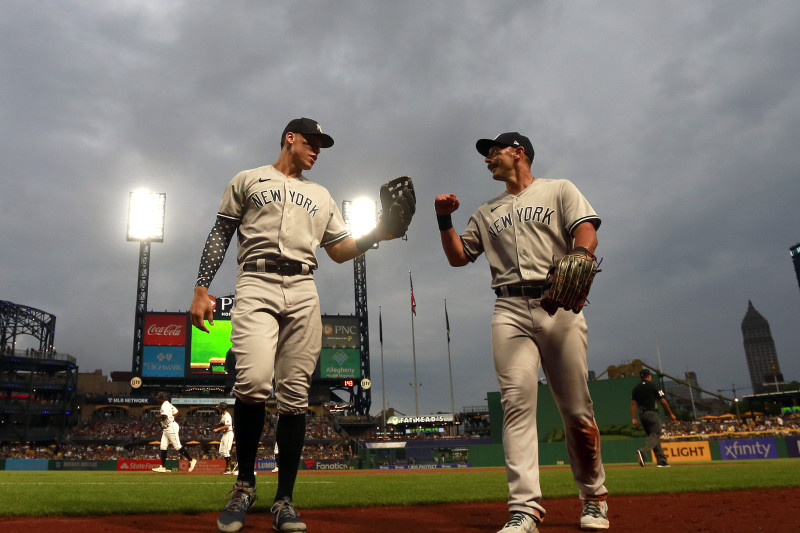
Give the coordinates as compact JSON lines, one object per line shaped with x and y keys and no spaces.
{"x":645,"y":400}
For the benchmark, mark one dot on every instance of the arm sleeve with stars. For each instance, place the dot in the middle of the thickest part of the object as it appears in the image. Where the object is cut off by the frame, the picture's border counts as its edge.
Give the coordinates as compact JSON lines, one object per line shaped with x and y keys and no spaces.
{"x":214,"y":252}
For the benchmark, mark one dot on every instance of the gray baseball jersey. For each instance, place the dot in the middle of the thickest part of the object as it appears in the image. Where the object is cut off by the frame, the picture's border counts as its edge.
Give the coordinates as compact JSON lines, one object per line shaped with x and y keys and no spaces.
{"x":276,"y":320}
{"x":279,"y":217}
{"x":520,"y":235}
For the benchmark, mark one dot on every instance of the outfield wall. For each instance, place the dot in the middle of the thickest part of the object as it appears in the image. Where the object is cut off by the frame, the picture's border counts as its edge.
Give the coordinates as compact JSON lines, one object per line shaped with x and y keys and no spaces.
{"x":435,"y":454}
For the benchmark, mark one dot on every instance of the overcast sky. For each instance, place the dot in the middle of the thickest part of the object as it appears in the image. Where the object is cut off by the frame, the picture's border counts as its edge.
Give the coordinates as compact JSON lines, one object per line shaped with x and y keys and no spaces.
{"x":679,"y":121}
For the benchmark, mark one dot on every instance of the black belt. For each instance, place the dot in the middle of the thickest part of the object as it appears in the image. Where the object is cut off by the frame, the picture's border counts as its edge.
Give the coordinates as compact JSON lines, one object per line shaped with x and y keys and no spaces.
{"x":284,"y":268}
{"x":520,"y":290}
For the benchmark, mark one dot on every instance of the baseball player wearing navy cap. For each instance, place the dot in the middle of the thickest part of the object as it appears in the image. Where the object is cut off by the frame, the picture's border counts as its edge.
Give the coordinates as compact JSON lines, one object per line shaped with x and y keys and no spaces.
{"x":521,"y":231}
{"x":281,"y":218}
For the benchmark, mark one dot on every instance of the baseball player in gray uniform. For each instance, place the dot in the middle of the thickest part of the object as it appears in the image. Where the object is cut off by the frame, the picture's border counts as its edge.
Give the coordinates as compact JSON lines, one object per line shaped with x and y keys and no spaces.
{"x":170,"y":434}
{"x":225,"y":429}
{"x":281,"y":218}
{"x":521,"y":231}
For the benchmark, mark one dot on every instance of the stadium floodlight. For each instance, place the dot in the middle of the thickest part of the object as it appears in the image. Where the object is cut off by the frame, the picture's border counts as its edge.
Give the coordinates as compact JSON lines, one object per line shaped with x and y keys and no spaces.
{"x":360,"y":216}
{"x":145,"y":225}
{"x":146,"y":216}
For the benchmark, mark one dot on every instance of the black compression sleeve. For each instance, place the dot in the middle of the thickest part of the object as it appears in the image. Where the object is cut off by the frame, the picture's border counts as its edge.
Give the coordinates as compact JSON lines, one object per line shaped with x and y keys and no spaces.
{"x":214,"y":252}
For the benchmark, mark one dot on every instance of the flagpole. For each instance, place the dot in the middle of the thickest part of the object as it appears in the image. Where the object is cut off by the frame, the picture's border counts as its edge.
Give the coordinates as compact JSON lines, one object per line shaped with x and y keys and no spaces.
{"x":383,"y":382}
{"x":414,"y":347}
{"x":450,"y":367}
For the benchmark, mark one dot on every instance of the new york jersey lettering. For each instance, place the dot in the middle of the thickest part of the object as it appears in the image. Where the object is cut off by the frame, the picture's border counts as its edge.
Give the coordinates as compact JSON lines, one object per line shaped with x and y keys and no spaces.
{"x":302,"y":201}
{"x":526,"y":215}
{"x":262,"y":198}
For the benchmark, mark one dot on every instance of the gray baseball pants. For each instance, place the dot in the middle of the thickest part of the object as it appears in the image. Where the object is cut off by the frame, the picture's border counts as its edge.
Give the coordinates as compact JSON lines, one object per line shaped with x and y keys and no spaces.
{"x":525,"y":337}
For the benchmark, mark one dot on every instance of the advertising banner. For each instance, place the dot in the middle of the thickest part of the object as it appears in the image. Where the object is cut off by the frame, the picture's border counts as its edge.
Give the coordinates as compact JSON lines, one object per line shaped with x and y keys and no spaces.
{"x":163,"y":361}
{"x":793,"y":446}
{"x":137,"y":465}
{"x":324,"y":464}
{"x":26,"y":464}
{"x":340,"y":363}
{"x":686,"y":452}
{"x":165,"y":329}
{"x":265,"y":464}
{"x":340,"y":332}
{"x":421,"y":467}
{"x":737,"y":449}
{"x":222,"y":306}
{"x":83,"y":464}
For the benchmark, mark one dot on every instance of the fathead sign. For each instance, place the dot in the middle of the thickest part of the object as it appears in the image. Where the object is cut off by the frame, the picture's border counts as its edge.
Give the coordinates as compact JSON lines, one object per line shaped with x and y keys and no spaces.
{"x":165,"y":329}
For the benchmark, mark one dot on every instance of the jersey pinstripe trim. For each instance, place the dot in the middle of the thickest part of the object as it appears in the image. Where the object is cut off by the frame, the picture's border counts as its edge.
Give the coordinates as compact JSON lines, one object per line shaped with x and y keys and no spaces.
{"x":595,"y":220}
{"x":335,"y":239}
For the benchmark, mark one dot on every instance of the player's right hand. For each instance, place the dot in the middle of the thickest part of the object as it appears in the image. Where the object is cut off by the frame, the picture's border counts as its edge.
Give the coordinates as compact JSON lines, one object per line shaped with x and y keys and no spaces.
{"x":445,"y":204}
{"x":201,"y":309}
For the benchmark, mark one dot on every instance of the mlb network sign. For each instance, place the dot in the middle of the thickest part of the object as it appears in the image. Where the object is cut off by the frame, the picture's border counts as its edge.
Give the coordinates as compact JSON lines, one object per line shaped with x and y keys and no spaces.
{"x":734,"y":450}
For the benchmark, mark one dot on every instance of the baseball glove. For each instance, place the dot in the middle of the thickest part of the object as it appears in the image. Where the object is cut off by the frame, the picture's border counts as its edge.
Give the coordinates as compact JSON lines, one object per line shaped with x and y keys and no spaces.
{"x":398,"y":203}
{"x":569,"y":280}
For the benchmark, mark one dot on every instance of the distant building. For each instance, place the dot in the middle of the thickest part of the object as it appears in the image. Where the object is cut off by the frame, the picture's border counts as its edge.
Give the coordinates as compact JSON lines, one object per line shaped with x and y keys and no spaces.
{"x":759,"y":350}
{"x":682,"y":391}
{"x":794,"y":251}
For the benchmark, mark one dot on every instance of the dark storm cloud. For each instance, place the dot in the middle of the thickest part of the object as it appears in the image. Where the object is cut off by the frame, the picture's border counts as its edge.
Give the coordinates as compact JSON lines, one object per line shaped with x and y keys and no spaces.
{"x":677,"y":121}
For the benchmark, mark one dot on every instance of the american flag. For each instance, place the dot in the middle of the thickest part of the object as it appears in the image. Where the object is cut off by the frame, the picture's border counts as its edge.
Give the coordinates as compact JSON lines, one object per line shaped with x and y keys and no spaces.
{"x":413,"y":301}
{"x":447,"y":321}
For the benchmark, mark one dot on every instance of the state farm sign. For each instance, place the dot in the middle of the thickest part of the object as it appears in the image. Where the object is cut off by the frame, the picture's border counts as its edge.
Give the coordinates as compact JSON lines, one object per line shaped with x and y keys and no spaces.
{"x":165,"y":330}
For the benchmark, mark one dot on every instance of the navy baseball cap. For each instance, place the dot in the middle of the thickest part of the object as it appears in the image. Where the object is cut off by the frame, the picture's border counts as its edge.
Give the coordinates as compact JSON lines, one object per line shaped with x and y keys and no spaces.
{"x":643,"y":373}
{"x":306,"y":126}
{"x":512,"y":138}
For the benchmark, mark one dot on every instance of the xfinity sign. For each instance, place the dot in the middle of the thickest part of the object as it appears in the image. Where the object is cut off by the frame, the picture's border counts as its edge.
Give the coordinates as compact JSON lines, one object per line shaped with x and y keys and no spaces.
{"x":734,"y":450}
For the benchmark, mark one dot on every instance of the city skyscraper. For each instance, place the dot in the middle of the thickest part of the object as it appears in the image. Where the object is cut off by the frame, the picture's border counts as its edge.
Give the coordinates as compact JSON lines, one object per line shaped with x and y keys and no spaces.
{"x":759,"y":350}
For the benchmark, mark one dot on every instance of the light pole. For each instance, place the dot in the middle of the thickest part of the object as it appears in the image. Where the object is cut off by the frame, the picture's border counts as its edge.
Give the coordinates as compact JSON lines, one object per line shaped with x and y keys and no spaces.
{"x":735,"y":398}
{"x":691,"y":394}
{"x":361,"y":216}
{"x":145,"y":225}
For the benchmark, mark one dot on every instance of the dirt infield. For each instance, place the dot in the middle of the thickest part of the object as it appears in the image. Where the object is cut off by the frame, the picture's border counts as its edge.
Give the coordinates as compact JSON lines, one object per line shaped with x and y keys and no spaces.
{"x":772,"y":510}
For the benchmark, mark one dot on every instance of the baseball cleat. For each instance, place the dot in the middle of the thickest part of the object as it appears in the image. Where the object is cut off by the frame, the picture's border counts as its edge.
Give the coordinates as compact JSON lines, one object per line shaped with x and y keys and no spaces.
{"x":640,"y":458}
{"x":160,"y":469}
{"x":286,"y":518}
{"x":663,"y":466}
{"x":192,"y":464}
{"x":275,"y":469}
{"x":594,"y":515}
{"x":231,"y":519}
{"x":520,"y":523}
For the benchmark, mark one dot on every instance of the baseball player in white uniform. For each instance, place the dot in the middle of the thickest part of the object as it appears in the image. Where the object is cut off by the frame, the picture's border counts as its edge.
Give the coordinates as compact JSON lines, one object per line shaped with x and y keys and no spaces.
{"x":521,"y":231}
{"x":170,"y":434}
{"x":225,"y":429}
{"x":281,"y":218}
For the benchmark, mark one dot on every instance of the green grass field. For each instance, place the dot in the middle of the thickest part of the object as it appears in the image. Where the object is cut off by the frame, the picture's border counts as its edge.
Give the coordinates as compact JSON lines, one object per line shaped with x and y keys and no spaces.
{"x":98,"y":493}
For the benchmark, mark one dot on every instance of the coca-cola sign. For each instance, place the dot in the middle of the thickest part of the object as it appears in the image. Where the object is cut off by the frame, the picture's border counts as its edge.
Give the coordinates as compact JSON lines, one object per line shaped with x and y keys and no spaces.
{"x":165,"y":329}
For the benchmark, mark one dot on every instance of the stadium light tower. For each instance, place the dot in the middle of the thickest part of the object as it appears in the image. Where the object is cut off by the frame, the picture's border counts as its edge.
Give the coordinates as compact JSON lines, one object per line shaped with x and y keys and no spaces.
{"x":145,"y":225}
{"x":361,"y":216}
